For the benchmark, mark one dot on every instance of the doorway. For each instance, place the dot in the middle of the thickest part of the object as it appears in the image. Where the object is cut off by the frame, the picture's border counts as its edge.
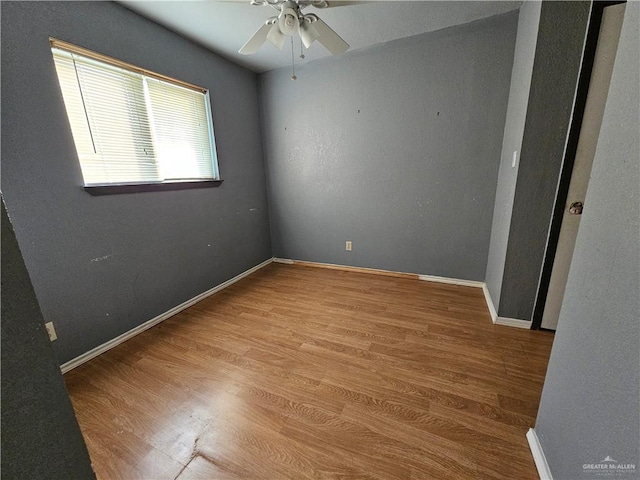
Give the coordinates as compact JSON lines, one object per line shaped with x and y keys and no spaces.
{"x":591,"y":97}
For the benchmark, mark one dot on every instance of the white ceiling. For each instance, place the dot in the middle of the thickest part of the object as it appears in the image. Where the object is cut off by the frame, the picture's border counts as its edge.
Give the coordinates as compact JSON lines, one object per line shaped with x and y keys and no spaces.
{"x":224,"y":26}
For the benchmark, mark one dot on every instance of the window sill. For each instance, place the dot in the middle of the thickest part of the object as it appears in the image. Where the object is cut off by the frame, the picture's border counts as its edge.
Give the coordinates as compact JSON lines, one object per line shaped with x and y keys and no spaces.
{"x":117,"y":188}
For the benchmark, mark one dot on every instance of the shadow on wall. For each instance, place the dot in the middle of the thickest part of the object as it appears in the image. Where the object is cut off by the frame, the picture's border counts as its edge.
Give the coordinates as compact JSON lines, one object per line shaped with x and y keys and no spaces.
{"x":40,"y":433}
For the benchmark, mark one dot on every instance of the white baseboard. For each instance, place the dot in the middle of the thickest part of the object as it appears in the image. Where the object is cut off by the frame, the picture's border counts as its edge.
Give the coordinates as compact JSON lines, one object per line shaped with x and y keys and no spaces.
{"x":451,"y":281}
{"x":538,"y":455}
{"x":509,"y":322}
{"x":283,"y":260}
{"x":85,"y":357}
{"x":513,"y":322}
{"x":376,"y":271}
{"x":346,"y":268}
{"x":490,"y":305}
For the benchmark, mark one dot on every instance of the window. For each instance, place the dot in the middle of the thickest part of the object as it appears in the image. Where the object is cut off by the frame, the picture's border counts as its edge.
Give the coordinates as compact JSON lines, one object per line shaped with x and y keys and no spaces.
{"x":131,"y":126}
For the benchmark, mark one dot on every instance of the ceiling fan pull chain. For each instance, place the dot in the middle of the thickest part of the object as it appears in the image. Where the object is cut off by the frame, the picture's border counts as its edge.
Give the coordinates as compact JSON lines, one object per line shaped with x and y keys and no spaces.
{"x":301,"y":51}
{"x":293,"y":63}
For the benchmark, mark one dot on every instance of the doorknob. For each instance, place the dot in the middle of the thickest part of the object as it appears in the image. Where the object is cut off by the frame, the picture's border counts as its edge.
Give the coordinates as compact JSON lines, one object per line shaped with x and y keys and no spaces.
{"x":576,"y":208}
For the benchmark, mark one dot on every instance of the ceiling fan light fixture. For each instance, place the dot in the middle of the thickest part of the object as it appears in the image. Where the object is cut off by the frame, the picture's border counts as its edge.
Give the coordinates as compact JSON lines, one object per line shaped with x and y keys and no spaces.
{"x":308,"y":34}
{"x":276,"y":37}
{"x":292,"y":22}
{"x":288,"y":21}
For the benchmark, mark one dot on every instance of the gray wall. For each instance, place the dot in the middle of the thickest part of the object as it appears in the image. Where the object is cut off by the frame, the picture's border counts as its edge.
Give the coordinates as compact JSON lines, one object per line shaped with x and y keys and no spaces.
{"x":40,"y":434}
{"x":103,"y":265}
{"x":528,"y":20}
{"x":557,"y":62}
{"x":395,"y":148}
{"x":590,"y":401}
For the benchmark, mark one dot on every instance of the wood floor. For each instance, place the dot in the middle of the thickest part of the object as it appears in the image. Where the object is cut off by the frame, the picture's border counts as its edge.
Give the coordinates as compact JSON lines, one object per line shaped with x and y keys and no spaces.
{"x":299,"y":372}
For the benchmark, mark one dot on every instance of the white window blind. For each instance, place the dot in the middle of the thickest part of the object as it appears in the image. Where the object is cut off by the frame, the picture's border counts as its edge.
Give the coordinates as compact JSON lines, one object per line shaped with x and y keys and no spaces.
{"x":131,"y":128}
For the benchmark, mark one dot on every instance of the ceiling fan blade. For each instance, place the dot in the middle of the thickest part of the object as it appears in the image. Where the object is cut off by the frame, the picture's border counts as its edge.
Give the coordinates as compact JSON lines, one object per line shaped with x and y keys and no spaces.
{"x":341,"y":3}
{"x":308,"y":34}
{"x":276,"y":37}
{"x":330,"y":39}
{"x":255,"y":42}
{"x":330,"y":3}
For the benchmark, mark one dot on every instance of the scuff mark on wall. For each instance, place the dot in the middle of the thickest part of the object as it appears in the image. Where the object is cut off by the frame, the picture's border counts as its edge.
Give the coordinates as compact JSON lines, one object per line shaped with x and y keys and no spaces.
{"x":100,"y":259}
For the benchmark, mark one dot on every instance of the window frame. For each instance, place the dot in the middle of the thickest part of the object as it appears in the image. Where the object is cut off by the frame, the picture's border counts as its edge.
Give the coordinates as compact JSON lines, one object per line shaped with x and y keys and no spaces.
{"x":163,"y":185}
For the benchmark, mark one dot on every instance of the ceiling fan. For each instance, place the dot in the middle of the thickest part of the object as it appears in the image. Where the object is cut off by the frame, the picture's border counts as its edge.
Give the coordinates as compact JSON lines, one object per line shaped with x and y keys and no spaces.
{"x":292,"y":21}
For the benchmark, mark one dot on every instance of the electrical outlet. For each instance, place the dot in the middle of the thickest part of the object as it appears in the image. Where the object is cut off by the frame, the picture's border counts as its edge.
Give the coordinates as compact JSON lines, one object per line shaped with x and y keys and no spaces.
{"x":51,"y":331}
{"x":349,"y":246}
